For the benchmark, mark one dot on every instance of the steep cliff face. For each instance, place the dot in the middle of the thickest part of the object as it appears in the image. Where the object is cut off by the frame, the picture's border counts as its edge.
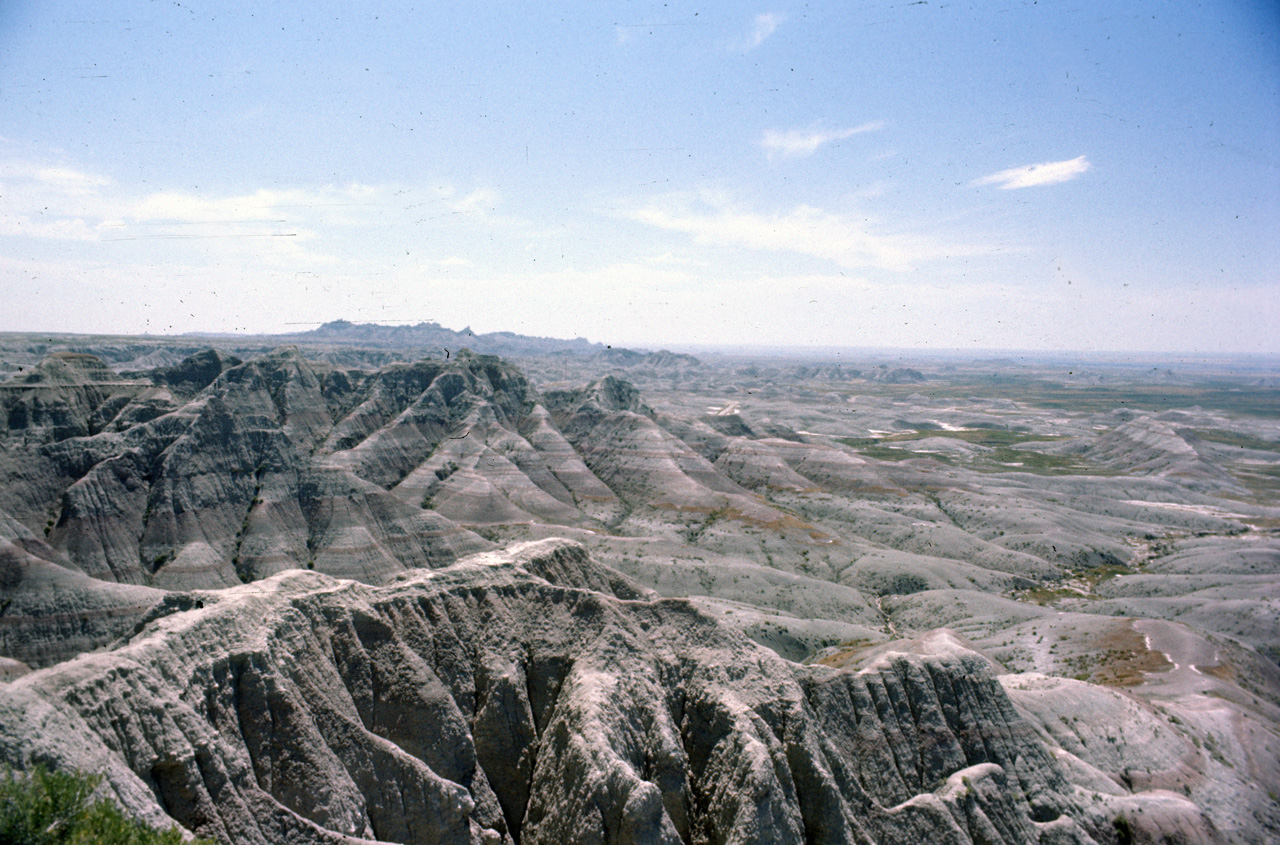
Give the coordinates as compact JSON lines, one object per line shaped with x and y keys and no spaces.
{"x":536,"y":697}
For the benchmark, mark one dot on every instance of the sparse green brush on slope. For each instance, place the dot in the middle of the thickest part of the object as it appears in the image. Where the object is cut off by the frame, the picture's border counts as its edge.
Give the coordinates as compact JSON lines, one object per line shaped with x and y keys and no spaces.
{"x":51,"y":808}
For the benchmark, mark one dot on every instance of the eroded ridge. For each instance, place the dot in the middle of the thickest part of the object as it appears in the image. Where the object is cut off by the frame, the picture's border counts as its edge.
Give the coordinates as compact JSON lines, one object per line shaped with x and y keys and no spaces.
{"x":534,"y":696}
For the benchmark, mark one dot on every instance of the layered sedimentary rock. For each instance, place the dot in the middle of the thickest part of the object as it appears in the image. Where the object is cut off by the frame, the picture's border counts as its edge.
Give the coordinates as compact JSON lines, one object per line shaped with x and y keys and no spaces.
{"x":49,"y":610}
{"x":263,"y":468}
{"x":533,"y":697}
{"x":215,"y":472}
{"x":306,"y":677}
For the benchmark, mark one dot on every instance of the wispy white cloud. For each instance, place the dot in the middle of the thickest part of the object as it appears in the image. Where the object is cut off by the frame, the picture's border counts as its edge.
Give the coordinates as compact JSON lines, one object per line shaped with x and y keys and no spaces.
{"x":803,"y":230}
{"x":1032,"y":175}
{"x":62,"y":202}
{"x":670,"y":259}
{"x":328,"y":231}
{"x":762,"y":27}
{"x":24,"y":226}
{"x":479,"y":200}
{"x":59,"y":177}
{"x":795,"y":143}
{"x":334,"y":204}
{"x":49,"y":201}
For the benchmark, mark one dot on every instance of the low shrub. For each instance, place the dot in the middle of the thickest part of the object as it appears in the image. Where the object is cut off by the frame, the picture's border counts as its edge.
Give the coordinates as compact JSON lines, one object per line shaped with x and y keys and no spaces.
{"x":41,"y":807}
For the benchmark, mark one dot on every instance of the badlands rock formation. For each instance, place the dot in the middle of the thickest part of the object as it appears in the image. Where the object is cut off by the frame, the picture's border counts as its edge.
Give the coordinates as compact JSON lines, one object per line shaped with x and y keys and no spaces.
{"x":222,"y":472}
{"x":246,"y":581}
{"x":536,"y":697}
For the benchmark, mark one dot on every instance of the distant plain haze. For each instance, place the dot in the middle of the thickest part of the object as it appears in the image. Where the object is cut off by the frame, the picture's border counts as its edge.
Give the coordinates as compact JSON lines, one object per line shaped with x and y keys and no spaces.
{"x":1025,"y":175}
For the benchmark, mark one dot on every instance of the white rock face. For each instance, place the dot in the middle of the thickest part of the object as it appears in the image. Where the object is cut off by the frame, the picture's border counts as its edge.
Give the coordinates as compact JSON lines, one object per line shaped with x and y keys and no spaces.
{"x":537,"y":697}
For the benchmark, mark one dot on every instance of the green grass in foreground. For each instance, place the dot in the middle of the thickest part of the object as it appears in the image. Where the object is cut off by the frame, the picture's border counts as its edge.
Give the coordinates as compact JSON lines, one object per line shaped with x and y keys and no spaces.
{"x":52,"y":808}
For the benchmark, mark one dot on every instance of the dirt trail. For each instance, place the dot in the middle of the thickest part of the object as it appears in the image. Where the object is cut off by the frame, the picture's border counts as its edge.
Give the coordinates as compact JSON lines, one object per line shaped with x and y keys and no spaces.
{"x":1185,"y":650}
{"x":889,"y":627}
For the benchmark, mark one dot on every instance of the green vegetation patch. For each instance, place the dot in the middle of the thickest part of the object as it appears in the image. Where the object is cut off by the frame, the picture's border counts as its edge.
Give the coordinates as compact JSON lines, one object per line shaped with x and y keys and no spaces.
{"x":50,"y":808}
{"x":976,"y":436}
{"x":888,"y":453}
{"x":1079,"y":583}
{"x":859,"y":442}
{"x":994,"y":437}
{"x":1038,"y":463}
{"x":1235,"y":438}
{"x":1262,"y":481}
{"x":1002,"y":458}
{"x":1223,"y":394}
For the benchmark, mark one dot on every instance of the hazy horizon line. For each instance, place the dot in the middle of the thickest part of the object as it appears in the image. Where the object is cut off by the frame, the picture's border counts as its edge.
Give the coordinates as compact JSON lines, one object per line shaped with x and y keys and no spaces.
{"x":693,"y":347}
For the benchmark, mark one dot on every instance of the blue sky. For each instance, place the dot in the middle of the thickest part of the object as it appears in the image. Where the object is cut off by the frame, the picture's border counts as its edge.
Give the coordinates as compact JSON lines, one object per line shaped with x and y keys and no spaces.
{"x":1019,"y":175}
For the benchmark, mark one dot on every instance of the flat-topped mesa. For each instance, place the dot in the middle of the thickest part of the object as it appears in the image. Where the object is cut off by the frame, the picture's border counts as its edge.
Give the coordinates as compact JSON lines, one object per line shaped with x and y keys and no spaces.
{"x":433,"y":336}
{"x":536,"y":696}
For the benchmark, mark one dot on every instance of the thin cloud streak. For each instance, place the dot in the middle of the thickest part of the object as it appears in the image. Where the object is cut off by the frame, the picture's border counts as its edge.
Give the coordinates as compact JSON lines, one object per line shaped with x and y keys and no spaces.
{"x":1034,"y":175}
{"x":56,"y":177}
{"x":803,"y":230}
{"x":797,"y":143}
{"x":64,"y":203}
{"x":311,"y":230}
